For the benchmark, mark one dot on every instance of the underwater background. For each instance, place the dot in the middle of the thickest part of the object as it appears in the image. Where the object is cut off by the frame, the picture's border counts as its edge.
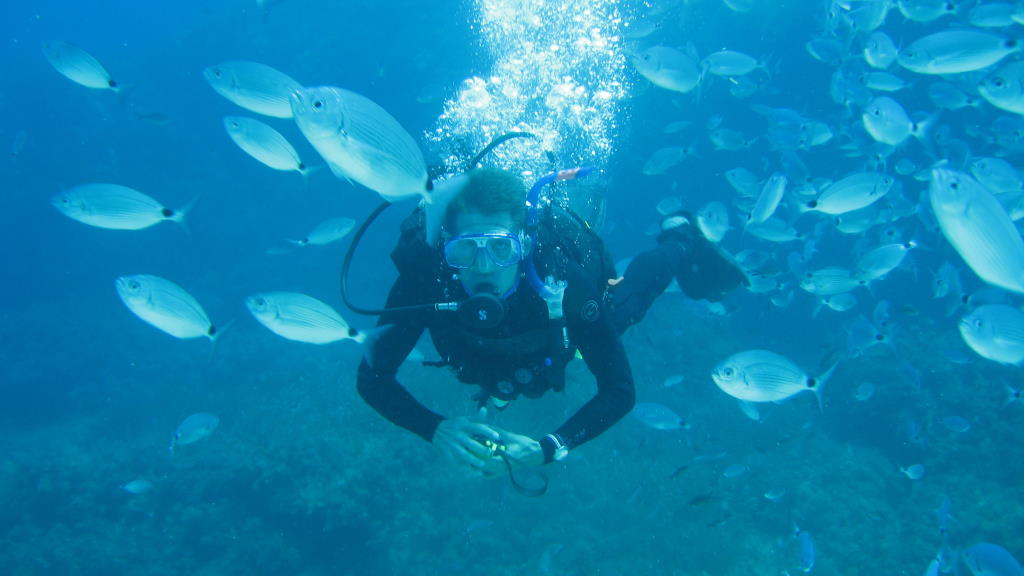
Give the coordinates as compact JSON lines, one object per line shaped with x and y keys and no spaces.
{"x":301,"y":477}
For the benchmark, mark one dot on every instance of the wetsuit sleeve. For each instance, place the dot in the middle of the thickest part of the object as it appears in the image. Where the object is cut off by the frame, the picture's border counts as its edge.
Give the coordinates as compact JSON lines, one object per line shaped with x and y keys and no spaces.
{"x":605,"y":356}
{"x":378,"y":384}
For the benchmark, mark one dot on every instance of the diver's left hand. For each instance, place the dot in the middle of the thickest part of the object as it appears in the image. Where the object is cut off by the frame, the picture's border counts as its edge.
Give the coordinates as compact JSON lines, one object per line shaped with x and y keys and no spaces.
{"x":522,"y":450}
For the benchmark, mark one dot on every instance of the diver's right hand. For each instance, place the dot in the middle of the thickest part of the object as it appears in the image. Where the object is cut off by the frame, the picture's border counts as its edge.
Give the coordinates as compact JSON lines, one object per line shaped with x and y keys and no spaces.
{"x":455,"y":438}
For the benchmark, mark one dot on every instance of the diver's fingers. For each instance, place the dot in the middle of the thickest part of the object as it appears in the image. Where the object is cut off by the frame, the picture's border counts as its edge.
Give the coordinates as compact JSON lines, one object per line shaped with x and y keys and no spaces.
{"x":481,"y":429}
{"x":472,"y":446}
{"x":464,"y":456}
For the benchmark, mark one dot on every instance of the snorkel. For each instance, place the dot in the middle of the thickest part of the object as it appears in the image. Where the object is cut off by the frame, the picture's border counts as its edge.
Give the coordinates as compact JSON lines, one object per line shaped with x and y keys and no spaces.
{"x":550,"y":289}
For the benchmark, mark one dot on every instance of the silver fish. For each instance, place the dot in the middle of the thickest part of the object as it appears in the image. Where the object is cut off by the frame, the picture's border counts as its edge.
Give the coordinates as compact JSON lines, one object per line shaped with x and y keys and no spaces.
{"x":360,"y":141}
{"x":193,"y":429}
{"x":996,"y":332}
{"x":862,"y":335}
{"x":826,"y":50}
{"x":713,"y":221}
{"x":879,"y":50}
{"x":115,"y":207}
{"x":657,"y":416}
{"x":664,"y":158}
{"x":840,"y":302}
{"x":774,"y":230}
{"x":138,"y":486}
{"x":992,"y":15}
{"x":864,"y":392}
{"x":740,"y":6}
{"x":764,"y":376}
{"x":669,"y":206}
{"x":729,"y":139}
{"x":887,"y":122}
{"x":807,"y":554}
{"x":949,"y":96}
{"x":264,"y":144}
{"x":925,"y":10}
{"x":883,"y":81}
{"x":166,"y":306}
{"x":996,"y":174}
{"x":327,"y":232}
{"x":771,"y":194}
{"x":978,"y":227}
{"x":745,"y":182}
{"x":79,"y":66}
{"x":640,"y":28}
{"x":880,"y":261}
{"x":858,"y":221}
{"x":735,"y":470}
{"x":866,"y":16}
{"x":301,"y":318}
{"x":1004,"y":88}
{"x":946,"y":281}
{"x":256,"y":87}
{"x":677,"y":126}
{"x":956,"y":51}
{"x":668,"y":68}
{"x":914,"y":472}
{"x":730,"y":63}
{"x":856,"y":191}
{"x":829,"y":281}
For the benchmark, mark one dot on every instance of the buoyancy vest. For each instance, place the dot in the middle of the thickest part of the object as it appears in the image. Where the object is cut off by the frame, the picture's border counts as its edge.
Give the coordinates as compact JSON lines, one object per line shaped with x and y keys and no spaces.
{"x":527,"y":353}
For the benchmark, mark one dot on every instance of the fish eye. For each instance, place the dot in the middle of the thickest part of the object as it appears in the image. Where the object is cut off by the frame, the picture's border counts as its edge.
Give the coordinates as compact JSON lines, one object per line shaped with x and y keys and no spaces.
{"x":217,"y":72}
{"x":318,"y":104}
{"x":728,"y":371}
{"x":998,"y":82}
{"x":133,"y":285}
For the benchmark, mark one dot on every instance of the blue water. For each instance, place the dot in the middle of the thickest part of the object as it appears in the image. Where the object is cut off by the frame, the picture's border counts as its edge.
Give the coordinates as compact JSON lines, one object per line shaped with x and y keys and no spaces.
{"x":302,"y":477}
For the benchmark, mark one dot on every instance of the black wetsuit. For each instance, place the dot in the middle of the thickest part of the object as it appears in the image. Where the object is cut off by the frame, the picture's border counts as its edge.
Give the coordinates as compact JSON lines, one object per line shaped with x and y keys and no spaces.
{"x":525,"y":354}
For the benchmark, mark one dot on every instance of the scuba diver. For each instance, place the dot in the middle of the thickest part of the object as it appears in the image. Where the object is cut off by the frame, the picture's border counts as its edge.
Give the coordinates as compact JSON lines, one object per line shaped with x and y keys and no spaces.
{"x":523,"y":287}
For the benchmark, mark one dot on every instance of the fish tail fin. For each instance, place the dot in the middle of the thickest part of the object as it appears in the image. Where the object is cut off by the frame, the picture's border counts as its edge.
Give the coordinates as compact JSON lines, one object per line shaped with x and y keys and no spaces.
{"x":1013,"y":395}
{"x":923,"y":132}
{"x":818,"y":384}
{"x":179,"y":215}
{"x":214,"y":334}
{"x":306,"y":171}
{"x":440,"y":197}
{"x":368,"y":341}
{"x":805,"y":207}
{"x":818,"y":305}
{"x":123,"y":93}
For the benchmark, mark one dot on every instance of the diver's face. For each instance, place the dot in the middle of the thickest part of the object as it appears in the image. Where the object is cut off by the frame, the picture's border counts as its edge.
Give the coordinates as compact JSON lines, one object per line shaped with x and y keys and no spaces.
{"x":484,"y":274}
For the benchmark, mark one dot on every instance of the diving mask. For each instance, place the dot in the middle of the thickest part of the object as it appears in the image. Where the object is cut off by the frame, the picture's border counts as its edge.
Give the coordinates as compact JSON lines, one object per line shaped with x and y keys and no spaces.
{"x":503,"y":249}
